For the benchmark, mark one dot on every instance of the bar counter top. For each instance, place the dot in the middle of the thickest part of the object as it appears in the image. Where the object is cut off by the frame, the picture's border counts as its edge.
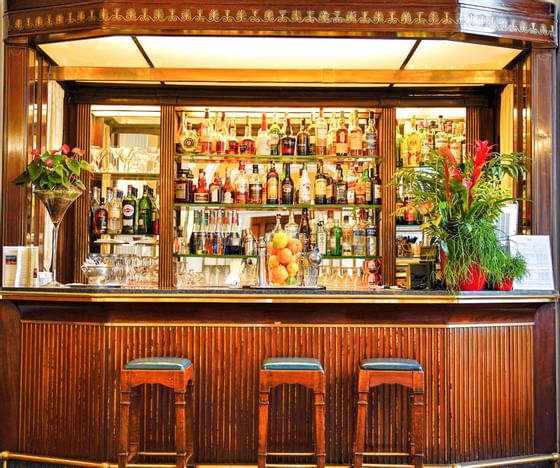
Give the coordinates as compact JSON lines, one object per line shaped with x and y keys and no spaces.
{"x":90,"y":294}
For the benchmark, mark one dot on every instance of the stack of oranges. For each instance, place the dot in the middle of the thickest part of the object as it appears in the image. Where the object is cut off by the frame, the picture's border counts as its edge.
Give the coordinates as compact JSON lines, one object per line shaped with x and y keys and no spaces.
{"x":283,"y":264}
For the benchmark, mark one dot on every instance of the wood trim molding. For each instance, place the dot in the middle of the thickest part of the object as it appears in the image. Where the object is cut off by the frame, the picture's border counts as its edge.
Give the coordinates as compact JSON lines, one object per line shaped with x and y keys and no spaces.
{"x":167,"y":173}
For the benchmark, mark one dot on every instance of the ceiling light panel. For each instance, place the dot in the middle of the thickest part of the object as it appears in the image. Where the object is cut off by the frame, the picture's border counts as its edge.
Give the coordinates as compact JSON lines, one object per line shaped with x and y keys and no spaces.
{"x":275,"y":52}
{"x":451,"y":55}
{"x":113,"y":51}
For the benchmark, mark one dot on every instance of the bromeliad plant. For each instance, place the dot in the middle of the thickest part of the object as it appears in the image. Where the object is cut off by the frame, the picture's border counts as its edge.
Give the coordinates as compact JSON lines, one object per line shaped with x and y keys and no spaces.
{"x":55,"y":170}
{"x":460,"y":204}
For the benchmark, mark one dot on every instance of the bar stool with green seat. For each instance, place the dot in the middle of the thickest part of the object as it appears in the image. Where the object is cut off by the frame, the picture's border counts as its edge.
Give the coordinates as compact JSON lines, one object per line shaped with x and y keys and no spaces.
{"x":171,"y":372}
{"x":379,"y":371}
{"x":304,"y":371}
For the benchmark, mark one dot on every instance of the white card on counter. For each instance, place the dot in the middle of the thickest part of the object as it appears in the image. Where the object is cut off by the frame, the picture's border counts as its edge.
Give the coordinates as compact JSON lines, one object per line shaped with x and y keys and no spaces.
{"x":537,"y":254}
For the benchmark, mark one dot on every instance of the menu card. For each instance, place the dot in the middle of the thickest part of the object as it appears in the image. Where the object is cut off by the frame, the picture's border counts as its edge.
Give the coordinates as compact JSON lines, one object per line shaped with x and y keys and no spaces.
{"x":536,"y":252}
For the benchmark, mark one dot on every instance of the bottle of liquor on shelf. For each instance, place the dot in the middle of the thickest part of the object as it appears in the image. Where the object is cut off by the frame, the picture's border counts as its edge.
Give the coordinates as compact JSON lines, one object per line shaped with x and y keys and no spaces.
{"x":320,"y":185}
{"x":288,"y":142}
{"x":342,"y":137}
{"x":340,"y":188}
{"x":220,"y":238}
{"x":331,"y":135}
{"x":329,"y":224}
{"x":221,"y":135}
{"x":155,"y":214}
{"x":361,"y":184}
{"x":304,"y":187}
{"x":456,"y":142}
{"x":180,"y":187}
{"x":346,"y":236}
{"x":272,"y":185}
{"x":313,"y":231}
{"x":192,"y":238}
{"x":409,"y":214}
{"x":229,"y":191}
{"x":145,"y":213}
{"x":129,"y":212}
{"x":216,"y":190}
{"x":278,"y":225}
{"x":370,"y":137}
{"x":247,"y":144}
{"x":371,"y":236}
{"x":287,"y":186}
{"x":255,"y":187}
{"x":321,"y":238}
{"x":93,"y":205}
{"x":329,"y":191}
{"x":321,"y":131}
{"x":188,"y":139}
{"x":274,"y":134}
{"x":376,"y":193}
{"x":190,"y":188}
{"x":179,"y":241}
{"x":201,"y":195}
{"x":355,"y":135}
{"x":351,"y":186}
{"x":232,"y":143}
{"x":114,"y":213}
{"x":302,"y":140}
{"x":263,"y":138}
{"x":208,"y":229}
{"x":291,"y":227}
{"x":312,"y":129}
{"x":413,"y":144}
{"x":441,"y":139}
{"x":304,"y":231}
{"x":426,"y":142}
{"x":100,"y":218}
{"x":233,"y":241}
{"x":359,"y":234}
{"x":206,"y":131}
{"x":335,"y":240}
{"x":241,"y":186}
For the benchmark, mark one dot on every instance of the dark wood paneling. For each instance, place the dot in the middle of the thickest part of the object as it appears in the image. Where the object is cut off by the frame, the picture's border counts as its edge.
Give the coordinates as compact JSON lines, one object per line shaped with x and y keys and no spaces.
{"x":166,"y":190}
{"x":10,"y":346}
{"x":387,"y":232}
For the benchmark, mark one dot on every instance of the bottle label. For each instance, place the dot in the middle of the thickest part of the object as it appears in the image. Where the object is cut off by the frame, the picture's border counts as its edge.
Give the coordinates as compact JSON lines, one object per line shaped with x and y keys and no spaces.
{"x":341,"y":148}
{"x":355,"y":141}
{"x":371,"y":242}
{"x":305,"y":193}
{"x":228,"y":197}
{"x":272,"y":189}
{"x":215,"y":195}
{"x":377,"y":192}
{"x":322,"y":242}
{"x":201,"y":197}
{"x":181,"y":191}
{"x":321,"y":187}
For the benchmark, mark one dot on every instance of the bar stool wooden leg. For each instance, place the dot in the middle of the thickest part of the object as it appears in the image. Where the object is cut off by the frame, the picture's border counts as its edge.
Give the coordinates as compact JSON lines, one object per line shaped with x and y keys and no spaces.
{"x":264,"y":402}
{"x":417,"y":436}
{"x":180,"y":433}
{"x":189,"y":429}
{"x":360,"y":437}
{"x":320,"y":450}
{"x":134,"y":432}
{"x":124,"y":416}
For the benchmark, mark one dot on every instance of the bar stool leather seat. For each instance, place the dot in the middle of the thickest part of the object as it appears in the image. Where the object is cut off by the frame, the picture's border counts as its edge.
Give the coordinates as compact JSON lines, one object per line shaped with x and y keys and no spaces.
{"x":390,"y":364}
{"x":158,"y":363}
{"x":292,"y":364}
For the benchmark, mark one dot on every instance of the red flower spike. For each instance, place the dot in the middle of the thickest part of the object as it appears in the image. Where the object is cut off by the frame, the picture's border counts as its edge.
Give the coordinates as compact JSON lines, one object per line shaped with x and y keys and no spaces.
{"x":446,"y":181}
{"x":446,"y":153}
{"x":65,"y":149}
{"x":49,"y":162}
{"x":78,"y":151}
{"x":467,"y":183}
{"x":482,"y":151}
{"x":53,"y":152}
{"x":35,"y":152}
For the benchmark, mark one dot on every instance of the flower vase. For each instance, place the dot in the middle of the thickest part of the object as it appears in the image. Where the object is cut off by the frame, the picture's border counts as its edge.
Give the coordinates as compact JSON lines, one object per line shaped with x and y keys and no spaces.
{"x":475,"y":280}
{"x":56,"y":202}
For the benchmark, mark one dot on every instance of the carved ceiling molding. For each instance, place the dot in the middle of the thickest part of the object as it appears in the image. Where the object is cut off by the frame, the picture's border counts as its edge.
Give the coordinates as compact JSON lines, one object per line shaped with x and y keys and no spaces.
{"x":177,"y":19}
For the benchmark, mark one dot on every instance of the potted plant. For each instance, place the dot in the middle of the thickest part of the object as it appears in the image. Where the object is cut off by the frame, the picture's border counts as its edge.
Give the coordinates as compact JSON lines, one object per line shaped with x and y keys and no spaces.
{"x":55,"y":177}
{"x":512,"y":267}
{"x":459,"y":206}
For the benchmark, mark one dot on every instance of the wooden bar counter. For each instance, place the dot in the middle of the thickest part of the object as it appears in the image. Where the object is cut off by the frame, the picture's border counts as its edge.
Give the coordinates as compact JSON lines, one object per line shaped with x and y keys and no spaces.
{"x":489,"y":360}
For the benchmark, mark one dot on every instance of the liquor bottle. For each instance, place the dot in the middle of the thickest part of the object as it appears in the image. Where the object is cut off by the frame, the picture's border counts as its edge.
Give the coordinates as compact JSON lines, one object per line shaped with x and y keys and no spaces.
{"x":341,"y":137}
{"x":274,"y":135}
{"x":287,"y":186}
{"x":220,"y":240}
{"x":370,"y":137}
{"x":208,"y":226}
{"x":376,"y":186}
{"x":304,"y":230}
{"x":371,"y":236}
{"x":145,"y":213}
{"x":229,"y":191}
{"x":456,"y":143}
{"x":329,"y":191}
{"x":367,"y":182}
{"x":263,"y":138}
{"x":361,"y":185}
{"x":255,"y":187}
{"x":100,"y":218}
{"x":206,"y":132}
{"x":351,"y":186}
{"x":128,"y":212}
{"x":304,"y":187}
{"x":201,"y":195}
{"x":189,"y":198}
{"x":441,"y":139}
{"x":188,"y":139}
{"x":302,"y":140}
{"x":179,"y":241}
{"x":413,"y":144}
{"x":288,"y":142}
{"x":312,"y":130}
{"x":232,"y":143}
{"x":247,"y":144}
{"x":278,"y":225}
{"x":329,"y":224}
{"x":321,"y":238}
{"x":93,"y":205}
{"x":321,"y":130}
{"x":114,"y":213}
{"x":155,"y":213}
{"x":291,"y":227}
{"x":346,"y":237}
{"x":359,"y":235}
{"x":180,"y":187}
{"x":241,"y":186}
{"x":426,"y":143}
{"x":320,"y":185}
{"x":331,"y":135}
{"x":215,"y":190}
{"x":221,"y":135}
{"x":234,"y":237}
{"x":272,"y":186}
{"x":355,"y":135}
{"x":340,"y":187}
{"x":335,"y":240}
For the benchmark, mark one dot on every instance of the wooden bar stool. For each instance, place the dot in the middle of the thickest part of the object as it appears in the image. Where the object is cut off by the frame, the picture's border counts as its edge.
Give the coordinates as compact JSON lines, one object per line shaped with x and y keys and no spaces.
{"x":406,"y":372}
{"x":304,"y":371}
{"x":174,"y":373}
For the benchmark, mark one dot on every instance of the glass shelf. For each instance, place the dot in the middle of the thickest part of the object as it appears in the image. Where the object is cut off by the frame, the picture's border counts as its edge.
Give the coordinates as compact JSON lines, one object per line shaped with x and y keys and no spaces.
{"x":126,"y":175}
{"x":248,"y":207}
{"x":234,"y":158}
{"x":350,"y":257}
{"x":213,"y":256}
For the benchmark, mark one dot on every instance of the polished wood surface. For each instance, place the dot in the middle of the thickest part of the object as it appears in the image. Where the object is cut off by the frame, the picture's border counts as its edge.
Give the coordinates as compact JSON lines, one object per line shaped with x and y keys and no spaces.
{"x":484,"y":367}
{"x":387,"y":223}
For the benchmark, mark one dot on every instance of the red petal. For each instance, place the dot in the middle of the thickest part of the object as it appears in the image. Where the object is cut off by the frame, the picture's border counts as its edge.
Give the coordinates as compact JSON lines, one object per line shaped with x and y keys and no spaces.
{"x":78,"y":151}
{"x":447,"y":154}
{"x":65,"y":149}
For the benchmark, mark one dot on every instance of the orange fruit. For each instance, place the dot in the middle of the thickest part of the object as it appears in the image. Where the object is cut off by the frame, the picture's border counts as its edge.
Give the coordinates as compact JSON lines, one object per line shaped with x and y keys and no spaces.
{"x":295,"y":246}
{"x":273,"y":261}
{"x":285,"y":256}
{"x":271,"y":250}
{"x":292,"y":268}
{"x":279,"y":274}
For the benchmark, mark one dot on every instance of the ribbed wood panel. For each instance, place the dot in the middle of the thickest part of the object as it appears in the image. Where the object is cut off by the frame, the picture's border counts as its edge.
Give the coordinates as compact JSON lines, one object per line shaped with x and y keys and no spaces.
{"x":388,"y":232}
{"x":166,"y":190}
{"x":472,"y":128}
{"x":478,"y":388}
{"x":63,"y":403}
{"x":80,"y":238}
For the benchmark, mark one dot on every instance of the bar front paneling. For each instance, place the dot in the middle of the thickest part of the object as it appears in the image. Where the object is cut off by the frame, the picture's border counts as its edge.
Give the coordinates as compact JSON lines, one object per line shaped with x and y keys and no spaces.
{"x":479,"y":377}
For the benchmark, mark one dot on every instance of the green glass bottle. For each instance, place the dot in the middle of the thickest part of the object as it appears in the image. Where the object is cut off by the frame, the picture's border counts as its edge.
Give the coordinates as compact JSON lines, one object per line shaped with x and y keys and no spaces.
{"x":145,"y":213}
{"x":335,"y":240}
